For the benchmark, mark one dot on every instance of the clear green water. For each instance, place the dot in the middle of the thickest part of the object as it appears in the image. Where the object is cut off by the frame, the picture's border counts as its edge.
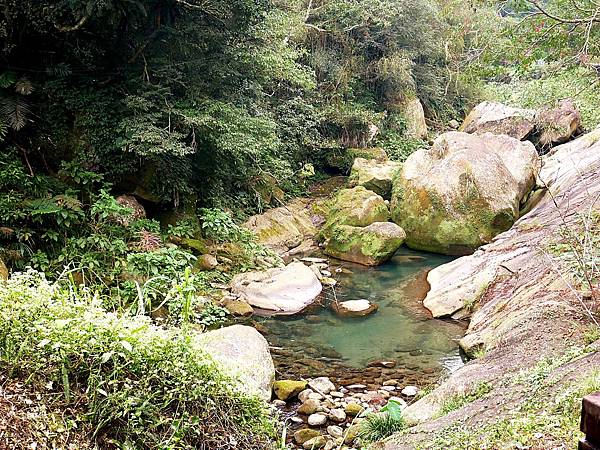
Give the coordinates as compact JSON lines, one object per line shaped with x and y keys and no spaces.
{"x":401,"y":330}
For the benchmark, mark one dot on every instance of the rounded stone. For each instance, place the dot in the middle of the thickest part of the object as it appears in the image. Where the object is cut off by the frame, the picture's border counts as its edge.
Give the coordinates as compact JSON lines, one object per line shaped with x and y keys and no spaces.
{"x":317,"y":419}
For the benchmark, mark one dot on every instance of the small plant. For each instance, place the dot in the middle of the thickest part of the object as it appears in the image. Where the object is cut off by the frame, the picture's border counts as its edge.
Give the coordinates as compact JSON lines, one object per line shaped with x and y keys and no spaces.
{"x":218,"y":225}
{"x":383,"y":424}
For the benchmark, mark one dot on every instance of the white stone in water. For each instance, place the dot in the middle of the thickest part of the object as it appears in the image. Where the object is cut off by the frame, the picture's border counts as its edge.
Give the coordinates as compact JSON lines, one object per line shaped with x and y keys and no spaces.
{"x":388,"y":388}
{"x":322,"y":385}
{"x":314,"y":260}
{"x":410,"y":391}
{"x":335,"y":431}
{"x":356,"y":305}
{"x":337,"y":415}
{"x":317,"y":419}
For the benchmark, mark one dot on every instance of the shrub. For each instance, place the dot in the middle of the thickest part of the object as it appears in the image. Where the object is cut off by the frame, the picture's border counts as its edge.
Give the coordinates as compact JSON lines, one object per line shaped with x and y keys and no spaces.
{"x":138,"y":385}
{"x":388,"y":421}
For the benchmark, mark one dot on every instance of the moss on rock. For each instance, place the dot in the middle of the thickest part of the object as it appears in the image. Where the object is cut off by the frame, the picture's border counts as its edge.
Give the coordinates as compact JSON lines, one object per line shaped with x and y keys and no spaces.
{"x":370,"y":246}
{"x":357,"y":207}
{"x":286,"y":389}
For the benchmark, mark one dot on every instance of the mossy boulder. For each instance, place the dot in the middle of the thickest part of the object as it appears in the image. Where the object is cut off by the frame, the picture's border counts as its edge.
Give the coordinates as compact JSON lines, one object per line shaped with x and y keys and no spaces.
{"x":283,"y":228}
{"x":520,"y":158}
{"x":238,"y":308}
{"x":411,"y":109}
{"x":499,"y":119}
{"x":286,"y":389}
{"x":374,"y":175}
{"x":370,"y":246}
{"x":341,"y":160}
{"x":455,"y":196}
{"x":305,"y":434}
{"x":356,"y":207}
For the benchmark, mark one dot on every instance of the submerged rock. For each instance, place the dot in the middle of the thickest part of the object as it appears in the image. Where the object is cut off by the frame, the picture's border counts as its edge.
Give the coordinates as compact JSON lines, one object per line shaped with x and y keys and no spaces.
{"x":455,"y":196}
{"x":283,"y":228}
{"x":370,"y":246}
{"x":354,"y":308}
{"x":557,"y":125}
{"x":356,"y":207}
{"x":497,"y":118}
{"x":243,"y":353}
{"x":286,"y":289}
{"x":374,"y":175}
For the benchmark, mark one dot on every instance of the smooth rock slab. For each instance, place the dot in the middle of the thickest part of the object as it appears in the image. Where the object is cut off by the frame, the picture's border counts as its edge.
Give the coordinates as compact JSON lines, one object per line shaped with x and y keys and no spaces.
{"x":285,"y":289}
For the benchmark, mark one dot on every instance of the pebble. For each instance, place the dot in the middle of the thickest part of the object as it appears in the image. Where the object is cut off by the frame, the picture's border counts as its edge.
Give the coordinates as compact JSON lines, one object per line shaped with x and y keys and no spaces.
{"x":323,"y":385}
{"x":356,"y":387}
{"x":390,"y":383}
{"x":389,"y":388}
{"x":309,"y":407}
{"x":278,"y":403}
{"x":335,"y":431}
{"x":317,"y":419}
{"x":410,"y":391}
{"x":304,"y":395}
{"x":315,"y":443}
{"x":296,"y":419}
{"x":337,"y":415}
{"x":337,"y":394}
{"x":315,"y":396}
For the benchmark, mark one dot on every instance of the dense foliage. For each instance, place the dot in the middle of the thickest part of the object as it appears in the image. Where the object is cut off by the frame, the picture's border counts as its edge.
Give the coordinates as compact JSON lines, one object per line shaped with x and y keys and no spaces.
{"x":121,"y":379}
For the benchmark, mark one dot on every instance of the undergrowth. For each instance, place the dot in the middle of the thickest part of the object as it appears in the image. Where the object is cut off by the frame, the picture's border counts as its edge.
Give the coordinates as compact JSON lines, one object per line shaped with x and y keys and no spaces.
{"x":134,"y":384}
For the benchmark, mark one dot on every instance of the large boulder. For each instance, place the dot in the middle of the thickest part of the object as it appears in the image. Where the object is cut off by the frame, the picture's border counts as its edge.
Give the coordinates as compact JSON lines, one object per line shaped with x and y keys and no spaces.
{"x":356,"y":207}
{"x":557,"y":125}
{"x":242,"y":352}
{"x":374,"y":175}
{"x":370,"y":246}
{"x":455,"y":196}
{"x":286,"y":289}
{"x":283,"y":228}
{"x":137,"y":211}
{"x":414,"y":114}
{"x":499,"y":119}
{"x":519,"y":157}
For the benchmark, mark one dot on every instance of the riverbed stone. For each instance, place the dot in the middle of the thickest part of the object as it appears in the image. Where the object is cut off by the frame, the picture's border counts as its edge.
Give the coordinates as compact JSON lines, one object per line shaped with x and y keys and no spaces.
{"x":315,"y":443}
{"x":286,"y":289}
{"x":305,"y":434}
{"x":369,"y":246}
{"x":356,"y":207}
{"x":354,"y":308}
{"x":317,"y":419}
{"x":454,"y":197}
{"x":303,"y":396}
{"x":374,"y":175}
{"x":286,"y":389}
{"x":335,"y":431}
{"x":337,"y":415}
{"x":353,"y":409}
{"x":500,"y":119}
{"x":322,"y":385}
{"x":410,"y":391}
{"x":243,"y":353}
{"x":309,"y":407}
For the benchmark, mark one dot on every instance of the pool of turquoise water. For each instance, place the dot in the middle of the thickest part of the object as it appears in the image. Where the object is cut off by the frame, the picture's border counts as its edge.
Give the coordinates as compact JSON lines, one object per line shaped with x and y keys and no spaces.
{"x":401,"y":330}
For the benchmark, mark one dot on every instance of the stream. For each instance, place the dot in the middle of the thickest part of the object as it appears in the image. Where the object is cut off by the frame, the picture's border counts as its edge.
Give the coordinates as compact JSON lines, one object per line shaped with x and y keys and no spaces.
{"x":400,"y":341}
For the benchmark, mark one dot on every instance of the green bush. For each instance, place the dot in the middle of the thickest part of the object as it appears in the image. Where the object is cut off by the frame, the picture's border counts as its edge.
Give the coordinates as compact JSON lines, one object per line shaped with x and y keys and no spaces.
{"x":378,"y":426}
{"x":137,"y":385}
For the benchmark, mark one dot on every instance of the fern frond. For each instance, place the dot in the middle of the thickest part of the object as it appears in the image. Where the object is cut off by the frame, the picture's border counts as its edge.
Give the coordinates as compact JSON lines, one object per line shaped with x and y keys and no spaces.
{"x":23,"y":86}
{"x":14,"y":111}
